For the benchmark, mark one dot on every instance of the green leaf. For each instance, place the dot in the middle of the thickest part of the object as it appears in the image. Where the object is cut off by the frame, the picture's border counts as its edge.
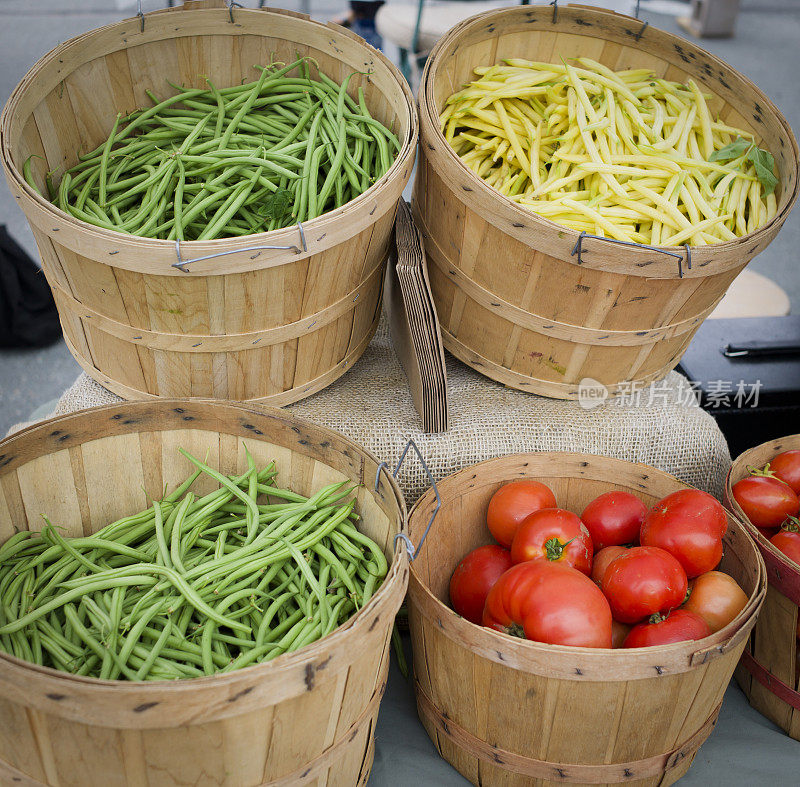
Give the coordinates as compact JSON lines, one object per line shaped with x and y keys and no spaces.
{"x":735,"y":149}
{"x":277,"y":204}
{"x":764,"y":165}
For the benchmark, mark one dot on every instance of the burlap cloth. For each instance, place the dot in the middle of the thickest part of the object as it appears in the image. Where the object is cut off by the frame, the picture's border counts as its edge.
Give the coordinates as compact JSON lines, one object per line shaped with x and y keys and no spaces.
{"x":661,"y":425}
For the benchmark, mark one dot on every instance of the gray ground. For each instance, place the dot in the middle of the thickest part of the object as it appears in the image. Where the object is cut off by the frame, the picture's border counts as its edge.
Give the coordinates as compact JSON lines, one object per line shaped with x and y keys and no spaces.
{"x":766,"y":49}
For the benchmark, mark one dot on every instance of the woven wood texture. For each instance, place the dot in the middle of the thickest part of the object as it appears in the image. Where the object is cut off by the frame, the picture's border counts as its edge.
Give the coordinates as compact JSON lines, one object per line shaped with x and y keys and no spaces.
{"x":269,"y":325}
{"x":305,"y":718}
{"x":513,"y":301}
{"x":511,"y":712}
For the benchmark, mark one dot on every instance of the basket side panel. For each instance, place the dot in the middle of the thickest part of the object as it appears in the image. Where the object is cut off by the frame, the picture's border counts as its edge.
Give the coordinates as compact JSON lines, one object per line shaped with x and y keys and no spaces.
{"x":775,"y":647}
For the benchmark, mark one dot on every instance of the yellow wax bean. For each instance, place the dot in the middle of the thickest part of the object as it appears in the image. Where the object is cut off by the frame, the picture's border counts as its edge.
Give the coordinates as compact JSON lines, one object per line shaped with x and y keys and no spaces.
{"x":619,"y":169}
{"x":614,"y":230}
{"x":652,"y":213}
{"x":691,"y":208}
{"x":754,"y":214}
{"x":536,"y":148}
{"x":772,"y":206}
{"x":681,"y":237}
{"x":685,"y":129}
{"x":512,"y":137}
{"x":736,"y":132}
{"x":741,"y":210}
{"x":697,"y":198}
{"x":705,"y":119}
{"x":659,"y":201}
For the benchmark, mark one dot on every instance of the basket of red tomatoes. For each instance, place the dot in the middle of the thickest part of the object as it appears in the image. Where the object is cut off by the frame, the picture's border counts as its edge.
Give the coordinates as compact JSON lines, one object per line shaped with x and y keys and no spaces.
{"x":763,"y":489}
{"x":576,"y":618}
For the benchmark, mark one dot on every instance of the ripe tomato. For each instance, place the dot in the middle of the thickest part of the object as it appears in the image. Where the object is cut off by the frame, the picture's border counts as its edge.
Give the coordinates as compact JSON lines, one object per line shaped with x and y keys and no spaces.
{"x":549,"y":602}
{"x":618,"y":633}
{"x":679,"y":625}
{"x":603,"y":559}
{"x":689,"y":525}
{"x":642,"y":582}
{"x":512,"y":503}
{"x":786,"y":467}
{"x":614,"y":518}
{"x":787,"y":539}
{"x":556,"y":535}
{"x":766,"y":501}
{"x":717,"y":598}
{"x":693,"y":505}
{"x":474,"y":577}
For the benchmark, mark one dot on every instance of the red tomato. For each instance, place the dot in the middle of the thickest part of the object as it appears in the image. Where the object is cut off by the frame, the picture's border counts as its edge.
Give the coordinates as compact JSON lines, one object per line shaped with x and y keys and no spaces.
{"x":766,"y":501}
{"x":717,"y":598}
{"x":512,"y":503}
{"x":618,"y":633}
{"x":787,"y":539}
{"x":556,"y":535}
{"x":549,"y":602}
{"x":603,"y":559}
{"x":786,"y":467}
{"x":678,"y":626}
{"x":642,"y":582}
{"x":688,"y":524}
{"x":614,"y":518}
{"x":473,"y":579}
{"x":695,"y":506}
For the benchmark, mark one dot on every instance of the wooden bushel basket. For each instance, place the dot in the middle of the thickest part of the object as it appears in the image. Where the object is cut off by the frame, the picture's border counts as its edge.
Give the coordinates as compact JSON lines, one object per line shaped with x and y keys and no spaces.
{"x":507,"y":711}
{"x":515,"y":299}
{"x":305,"y":718}
{"x":768,"y":670}
{"x":267,"y":324}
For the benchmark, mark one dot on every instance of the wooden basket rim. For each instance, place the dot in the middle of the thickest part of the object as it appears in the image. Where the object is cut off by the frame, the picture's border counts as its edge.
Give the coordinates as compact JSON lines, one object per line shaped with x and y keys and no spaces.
{"x":511,"y":218}
{"x":153,"y":250}
{"x":737,"y":472}
{"x":640,"y":662}
{"x":289,"y":662}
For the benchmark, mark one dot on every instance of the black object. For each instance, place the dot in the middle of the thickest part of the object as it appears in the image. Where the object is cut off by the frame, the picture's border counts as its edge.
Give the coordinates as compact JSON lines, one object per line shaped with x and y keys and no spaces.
{"x":747,"y":374}
{"x":28,"y":316}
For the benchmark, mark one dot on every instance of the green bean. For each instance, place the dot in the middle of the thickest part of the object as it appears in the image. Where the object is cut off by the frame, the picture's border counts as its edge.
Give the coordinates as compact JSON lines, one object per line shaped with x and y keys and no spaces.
{"x":103,"y":171}
{"x":175,"y":536}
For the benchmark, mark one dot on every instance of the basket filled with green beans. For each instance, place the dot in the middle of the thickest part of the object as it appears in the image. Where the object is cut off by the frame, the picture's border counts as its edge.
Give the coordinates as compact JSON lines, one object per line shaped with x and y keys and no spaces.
{"x":215,"y":162}
{"x":213,"y":193}
{"x":171,"y":596}
{"x":191,"y":586}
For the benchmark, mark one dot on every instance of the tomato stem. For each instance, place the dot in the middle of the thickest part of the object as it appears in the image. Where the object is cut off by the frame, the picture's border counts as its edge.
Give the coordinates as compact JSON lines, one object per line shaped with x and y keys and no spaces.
{"x":554,"y":549}
{"x":791,"y":524}
{"x":764,"y":472}
{"x":515,"y":630}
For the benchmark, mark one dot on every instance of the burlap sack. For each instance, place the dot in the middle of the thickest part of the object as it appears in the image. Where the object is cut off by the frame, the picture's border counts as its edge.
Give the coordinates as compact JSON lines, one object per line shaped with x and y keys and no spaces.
{"x":661,"y":425}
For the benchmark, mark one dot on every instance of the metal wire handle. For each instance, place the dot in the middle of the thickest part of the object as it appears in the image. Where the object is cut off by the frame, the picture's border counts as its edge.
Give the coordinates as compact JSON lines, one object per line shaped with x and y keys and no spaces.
{"x":554,"y":3}
{"x":578,"y":249}
{"x":409,"y":545}
{"x":181,"y":263}
{"x":230,"y":3}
